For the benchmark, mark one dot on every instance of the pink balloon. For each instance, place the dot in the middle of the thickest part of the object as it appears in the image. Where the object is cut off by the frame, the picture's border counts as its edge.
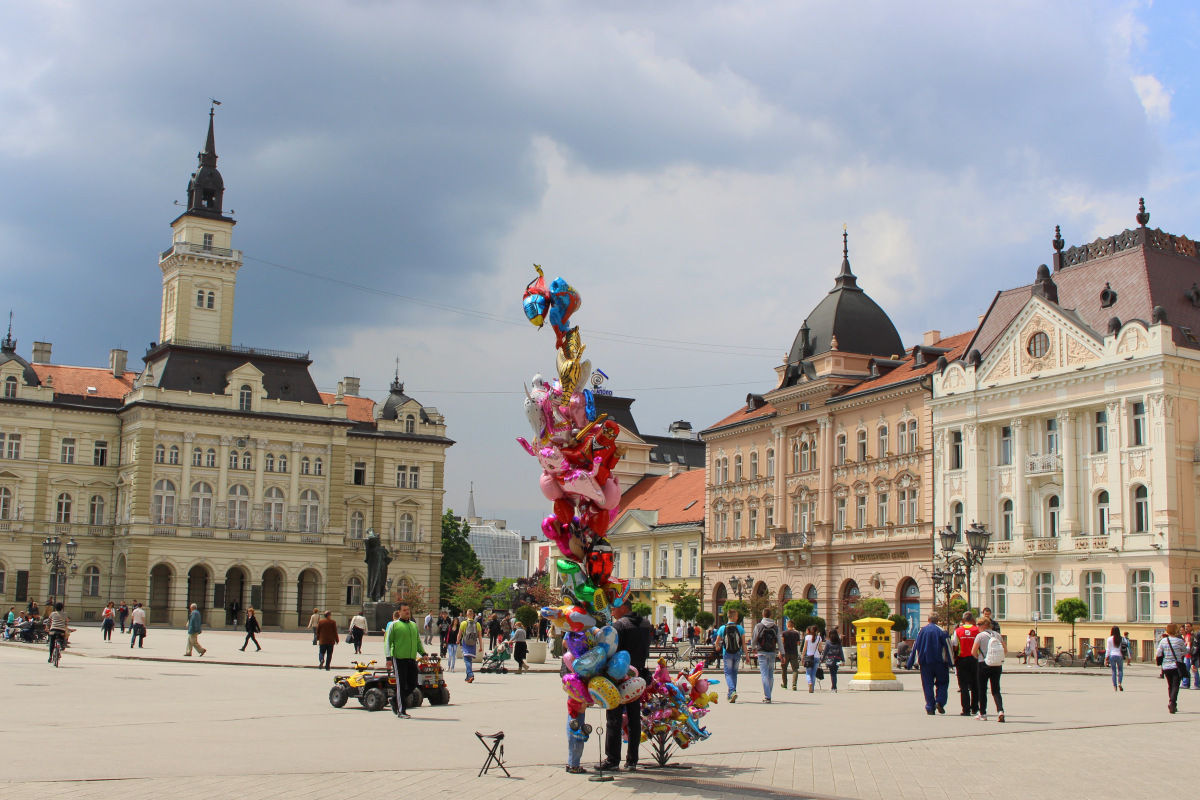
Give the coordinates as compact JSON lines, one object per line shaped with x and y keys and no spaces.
{"x":551,"y":488}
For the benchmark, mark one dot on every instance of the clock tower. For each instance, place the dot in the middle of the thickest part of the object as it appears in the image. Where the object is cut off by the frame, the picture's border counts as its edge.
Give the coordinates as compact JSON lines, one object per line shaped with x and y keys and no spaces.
{"x":200,"y":268}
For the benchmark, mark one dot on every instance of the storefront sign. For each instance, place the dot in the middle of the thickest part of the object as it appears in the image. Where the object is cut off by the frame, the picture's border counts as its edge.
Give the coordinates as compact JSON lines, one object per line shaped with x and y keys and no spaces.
{"x":735,"y":564}
{"x":895,"y":555}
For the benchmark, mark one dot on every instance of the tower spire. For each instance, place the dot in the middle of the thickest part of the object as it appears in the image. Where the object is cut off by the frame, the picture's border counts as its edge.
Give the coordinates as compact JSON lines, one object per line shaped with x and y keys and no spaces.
{"x":845,"y":278}
{"x":8,"y":343}
{"x":471,"y":502}
{"x":206,"y":189}
{"x":208,"y":158}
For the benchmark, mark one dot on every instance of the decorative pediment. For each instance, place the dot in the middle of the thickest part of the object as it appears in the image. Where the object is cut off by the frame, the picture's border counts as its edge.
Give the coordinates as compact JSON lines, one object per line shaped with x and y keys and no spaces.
{"x":1132,"y":339}
{"x":1040,"y":339}
{"x":955,"y":378}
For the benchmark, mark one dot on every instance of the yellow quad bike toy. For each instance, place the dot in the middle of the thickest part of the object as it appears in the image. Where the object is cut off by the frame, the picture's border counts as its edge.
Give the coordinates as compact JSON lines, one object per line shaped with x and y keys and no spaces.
{"x":368,"y":684}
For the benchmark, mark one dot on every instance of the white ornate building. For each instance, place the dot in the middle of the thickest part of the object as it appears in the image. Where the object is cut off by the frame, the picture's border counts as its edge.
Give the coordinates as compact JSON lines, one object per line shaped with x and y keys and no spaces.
{"x":217,"y":473}
{"x":1070,"y":431}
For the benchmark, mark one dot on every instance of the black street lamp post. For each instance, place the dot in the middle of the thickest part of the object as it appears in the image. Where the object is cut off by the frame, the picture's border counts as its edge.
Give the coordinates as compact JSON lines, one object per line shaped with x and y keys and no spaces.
{"x":959,"y":565}
{"x":740,"y":586}
{"x":51,"y":550}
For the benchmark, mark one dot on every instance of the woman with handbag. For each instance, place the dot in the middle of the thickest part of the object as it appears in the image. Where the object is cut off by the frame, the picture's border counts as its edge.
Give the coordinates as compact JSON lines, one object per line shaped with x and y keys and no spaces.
{"x":1170,"y":657}
{"x":834,"y":655}
{"x":813,"y":647}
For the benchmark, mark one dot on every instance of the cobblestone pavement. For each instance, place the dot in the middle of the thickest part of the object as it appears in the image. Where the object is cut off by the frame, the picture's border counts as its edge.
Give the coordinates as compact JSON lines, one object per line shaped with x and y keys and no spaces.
{"x":114,"y":728}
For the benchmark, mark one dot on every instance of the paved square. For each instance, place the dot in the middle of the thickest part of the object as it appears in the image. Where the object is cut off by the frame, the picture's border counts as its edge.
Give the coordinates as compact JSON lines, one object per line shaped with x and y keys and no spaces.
{"x":160,"y":725}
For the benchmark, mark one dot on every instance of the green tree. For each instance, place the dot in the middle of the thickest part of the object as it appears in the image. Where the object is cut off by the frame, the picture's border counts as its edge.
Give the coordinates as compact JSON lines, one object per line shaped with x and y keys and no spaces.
{"x":758,"y":604}
{"x":458,"y":558}
{"x":739,"y":606}
{"x":705,"y":619}
{"x":527,"y":616}
{"x":685,"y":602}
{"x":899,"y":624}
{"x":643,"y":609}
{"x":958,"y":607}
{"x":798,"y":608}
{"x":875,"y":607}
{"x":466,"y":592}
{"x":1070,"y":610}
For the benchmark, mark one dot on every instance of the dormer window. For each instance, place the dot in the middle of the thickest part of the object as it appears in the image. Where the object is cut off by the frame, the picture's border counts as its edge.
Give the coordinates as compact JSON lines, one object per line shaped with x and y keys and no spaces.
{"x":245,"y":397}
{"x":10,"y":386}
{"x":410,"y":424}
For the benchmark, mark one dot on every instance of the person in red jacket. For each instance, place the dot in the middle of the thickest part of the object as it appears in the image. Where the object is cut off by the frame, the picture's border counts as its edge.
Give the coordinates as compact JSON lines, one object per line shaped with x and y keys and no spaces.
{"x":966,"y":665}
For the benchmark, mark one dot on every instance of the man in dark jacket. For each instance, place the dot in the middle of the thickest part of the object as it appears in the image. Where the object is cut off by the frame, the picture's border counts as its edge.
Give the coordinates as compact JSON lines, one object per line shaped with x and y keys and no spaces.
{"x":931,"y":651}
{"x":634,"y":634}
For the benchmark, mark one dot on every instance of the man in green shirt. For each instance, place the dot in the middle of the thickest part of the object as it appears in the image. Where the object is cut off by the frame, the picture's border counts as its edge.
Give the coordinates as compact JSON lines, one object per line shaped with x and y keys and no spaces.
{"x":402,"y":645}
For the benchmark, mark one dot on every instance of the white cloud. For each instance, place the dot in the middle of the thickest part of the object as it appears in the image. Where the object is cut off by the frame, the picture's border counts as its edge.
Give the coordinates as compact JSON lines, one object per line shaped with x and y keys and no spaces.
{"x":1156,"y":98}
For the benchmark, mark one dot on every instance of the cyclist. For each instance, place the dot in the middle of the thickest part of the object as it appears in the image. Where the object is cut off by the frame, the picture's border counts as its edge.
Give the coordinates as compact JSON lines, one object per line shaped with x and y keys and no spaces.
{"x":58,"y":628}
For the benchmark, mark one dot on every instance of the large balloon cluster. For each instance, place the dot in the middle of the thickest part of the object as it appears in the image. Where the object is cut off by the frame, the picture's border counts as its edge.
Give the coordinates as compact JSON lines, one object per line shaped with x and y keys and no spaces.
{"x":672,"y":707}
{"x":577,"y":450}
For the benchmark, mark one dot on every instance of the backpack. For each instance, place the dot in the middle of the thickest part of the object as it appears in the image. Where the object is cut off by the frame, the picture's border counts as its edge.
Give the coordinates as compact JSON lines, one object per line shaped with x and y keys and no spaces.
{"x":994,"y":656}
{"x":733,"y":639}
{"x":471,"y":637}
{"x":769,"y":639}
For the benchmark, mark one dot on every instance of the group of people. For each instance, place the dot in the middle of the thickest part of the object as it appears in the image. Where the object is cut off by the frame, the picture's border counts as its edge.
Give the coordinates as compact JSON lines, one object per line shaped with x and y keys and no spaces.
{"x":463,"y":636}
{"x":975,"y":650}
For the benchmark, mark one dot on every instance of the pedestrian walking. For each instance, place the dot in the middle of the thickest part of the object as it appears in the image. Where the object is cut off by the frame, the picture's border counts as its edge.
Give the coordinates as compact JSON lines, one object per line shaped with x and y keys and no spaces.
{"x":327,"y":637}
{"x":962,"y":644}
{"x":1194,"y":652}
{"x":730,"y":636}
{"x":814,"y":646}
{"x":790,"y":657}
{"x":402,"y":645}
{"x":1186,"y":634}
{"x":313,"y":622}
{"x":1169,"y":656}
{"x":931,"y":652}
{"x":195,"y":624}
{"x":107,"y":621}
{"x":766,"y":639}
{"x":470,"y":633}
{"x":493,"y":631}
{"x":988,"y":650}
{"x":834,"y":656}
{"x":358,"y":629}
{"x":520,"y":648}
{"x":252,"y":627}
{"x":137,"y":618}
{"x":634,"y":634}
{"x":443,"y":628}
{"x":123,"y":614}
{"x":1115,"y":658}
{"x":1031,"y":646}
{"x":428,"y":627}
{"x":452,"y":643}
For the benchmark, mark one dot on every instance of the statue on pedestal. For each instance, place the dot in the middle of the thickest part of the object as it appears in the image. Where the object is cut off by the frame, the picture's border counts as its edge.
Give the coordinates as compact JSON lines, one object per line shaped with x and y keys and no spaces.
{"x":377,"y":558}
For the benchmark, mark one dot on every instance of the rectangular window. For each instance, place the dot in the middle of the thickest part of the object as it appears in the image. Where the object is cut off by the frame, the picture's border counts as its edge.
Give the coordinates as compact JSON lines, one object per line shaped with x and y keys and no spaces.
{"x":956,"y":450}
{"x":912,"y":436}
{"x":840,"y":514}
{"x":646,"y":562}
{"x":796,"y":518}
{"x":632,"y":563}
{"x":1101,"y":442}
{"x":1006,"y":448}
{"x":413,"y":477}
{"x":58,"y":584}
{"x":881,"y":509}
{"x":693,"y":561}
{"x":860,"y":511}
{"x":67,"y":453}
{"x":1051,"y":436}
{"x":1093,"y":594}
{"x":1138,"y":433}
{"x":679,"y":562}
{"x":360,"y":473}
{"x":752,"y":528}
{"x":1142,"y":581}
{"x":1043,"y":589}
{"x":208,"y":241}
{"x":100,"y":454}
{"x":662,"y":562}
{"x":770,"y":523}
{"x":616,"y":562}
{"x":401,"y":477}
{"x":737,"y":524}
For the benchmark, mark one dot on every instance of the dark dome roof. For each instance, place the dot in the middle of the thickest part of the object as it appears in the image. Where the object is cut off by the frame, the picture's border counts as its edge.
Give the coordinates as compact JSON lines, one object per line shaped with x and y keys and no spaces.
{"x":848,"y":314}
{"x":396,"y":399}
{"x":8,"y":352}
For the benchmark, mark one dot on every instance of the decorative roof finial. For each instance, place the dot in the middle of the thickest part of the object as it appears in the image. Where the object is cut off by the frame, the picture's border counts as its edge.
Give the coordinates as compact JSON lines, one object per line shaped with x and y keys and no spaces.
{"x":845,"y":278}
{"x":1142,"y":216}
{"x":397,"y":386}
{"x":9,"y":344}
{"x":1058,"y":240}
{"x":845,"y":242}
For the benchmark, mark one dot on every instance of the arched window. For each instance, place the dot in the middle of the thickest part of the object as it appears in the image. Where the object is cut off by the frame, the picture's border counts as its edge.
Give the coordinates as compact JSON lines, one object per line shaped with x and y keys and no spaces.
{"x":173,"y":455}
{"x":406,"y":527}
{"x":305,"y":465}
{"x":63,"y":509}
{"x":1141,"y":510}
{"x":770,"y":463}
{"x":354,"y":591}
{"x":805,"y":459}
{"x":737,"y":468}
{"x":273,"y":509}
{"x":882,"y":438}
{"x":233,"y":459}
{"x":410,"y":424}
{"x":796,"y":448}
{"x":211,"y":299}
{"x":245,"y":397}
{"x":754,"y":466}
{"x":96,"y":510}
{"x":840,"y":452}
{"x":318,"y":467}
{"x":91,"y":581}
{"x":269,"y":463}
{"x":1093,"y":594}
{"x":956,"y":519}
{"x":247,"y":460}
{"x":810,"y":594}
{"x":997,"y":589}
{"x":160,"y":454}
{"x":210,"y":458}
{"x":310,"y":511}
{"x":239,"y":507}
{"x":1006,"y":520}
{"x":1102,"y":513}
{"x":162,"y":503}
{"x":10,"y":386}
{"x":200,"y":299}
{"x":202,"y":500}
{"x":197,"y":457}
{"x":1053,"y":515}
{"x":5,"y":503}
{"x":357,"y":522}
{"x":860,"y":448}
{"x":283,"y":462}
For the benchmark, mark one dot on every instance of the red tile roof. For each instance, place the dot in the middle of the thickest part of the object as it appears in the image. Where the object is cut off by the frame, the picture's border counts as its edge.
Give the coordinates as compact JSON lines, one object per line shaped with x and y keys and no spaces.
{"x":358,"y":409}
{"x":742,"y":415}
{"x":957,"y":345}
{"x":677,"y":499}
{"x":76,"y":380}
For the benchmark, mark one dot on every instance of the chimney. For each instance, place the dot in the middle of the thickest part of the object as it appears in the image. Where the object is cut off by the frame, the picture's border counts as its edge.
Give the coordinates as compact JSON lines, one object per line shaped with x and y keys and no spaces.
{"x":931,"y":338}
{"x":352,"y":386}
{"x":672,"y":470}
{"x":117,"y":360}
{"x":681,"y":429}
{"x":41,"y":352}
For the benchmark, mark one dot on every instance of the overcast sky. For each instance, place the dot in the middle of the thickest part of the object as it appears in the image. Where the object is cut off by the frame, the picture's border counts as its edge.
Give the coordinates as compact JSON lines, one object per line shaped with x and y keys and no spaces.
{"x":687,"y":166}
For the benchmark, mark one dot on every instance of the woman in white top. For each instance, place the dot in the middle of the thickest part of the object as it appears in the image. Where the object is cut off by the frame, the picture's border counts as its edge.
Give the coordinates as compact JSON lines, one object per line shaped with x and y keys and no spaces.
{"x":1170,"y":655}
{"x":1115,"y":659}
{"x":1031,"y":648}
{"x":813,"y":647}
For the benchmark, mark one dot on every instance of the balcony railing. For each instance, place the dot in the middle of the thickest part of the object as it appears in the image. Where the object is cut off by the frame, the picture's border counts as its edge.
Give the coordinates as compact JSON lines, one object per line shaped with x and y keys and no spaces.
{"x":204,"y":250}
{"x":1041,"y":465}
{"x":640,"y":584}
{"x":790,"y":541}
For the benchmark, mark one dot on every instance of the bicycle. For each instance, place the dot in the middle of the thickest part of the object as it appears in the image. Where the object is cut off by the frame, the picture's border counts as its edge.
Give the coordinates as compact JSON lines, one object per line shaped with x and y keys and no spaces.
{"x":56,"y":651}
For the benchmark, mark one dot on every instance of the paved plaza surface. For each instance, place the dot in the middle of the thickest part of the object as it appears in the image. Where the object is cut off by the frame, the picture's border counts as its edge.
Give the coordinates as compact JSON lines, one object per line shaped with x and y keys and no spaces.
{"x":160,"y":725}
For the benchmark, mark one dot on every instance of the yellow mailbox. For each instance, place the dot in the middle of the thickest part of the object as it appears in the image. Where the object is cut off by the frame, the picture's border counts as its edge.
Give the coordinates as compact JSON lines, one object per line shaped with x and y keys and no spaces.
{"x":874,"y":638}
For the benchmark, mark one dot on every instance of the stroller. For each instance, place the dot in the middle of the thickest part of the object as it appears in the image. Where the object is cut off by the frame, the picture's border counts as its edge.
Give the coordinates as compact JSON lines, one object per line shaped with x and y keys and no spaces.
{"x":493,"y":662}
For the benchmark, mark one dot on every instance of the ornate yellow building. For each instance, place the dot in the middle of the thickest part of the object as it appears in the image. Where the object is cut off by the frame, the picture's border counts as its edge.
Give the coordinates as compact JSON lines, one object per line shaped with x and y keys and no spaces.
{"x":219,"y":473}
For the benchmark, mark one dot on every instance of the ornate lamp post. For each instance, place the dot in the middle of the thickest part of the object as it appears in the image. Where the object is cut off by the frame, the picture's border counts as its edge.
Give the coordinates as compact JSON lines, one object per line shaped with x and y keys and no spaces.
{"x":51,"y":548}
{"x":975,"y":552}
{"x":739,"y":585}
